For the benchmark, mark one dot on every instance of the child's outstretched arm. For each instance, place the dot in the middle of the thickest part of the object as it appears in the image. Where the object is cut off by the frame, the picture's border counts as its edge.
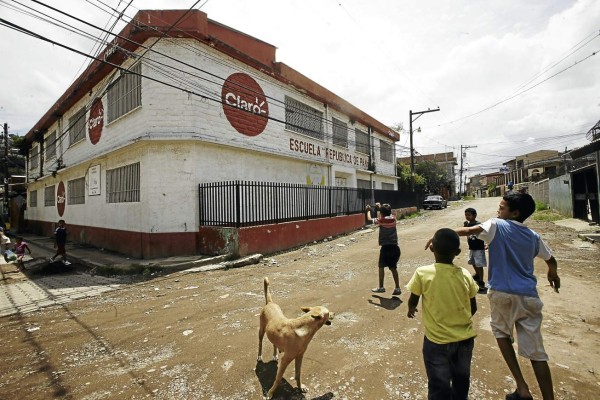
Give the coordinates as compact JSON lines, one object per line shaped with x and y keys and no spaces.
{"x":553,"y":273}
{"x":466,"y":231}
{"x":413,"y":302}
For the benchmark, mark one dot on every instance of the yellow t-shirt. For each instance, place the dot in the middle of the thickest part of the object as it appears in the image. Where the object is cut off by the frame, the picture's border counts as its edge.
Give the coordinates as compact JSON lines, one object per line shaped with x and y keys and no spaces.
{"x":445,"y":291}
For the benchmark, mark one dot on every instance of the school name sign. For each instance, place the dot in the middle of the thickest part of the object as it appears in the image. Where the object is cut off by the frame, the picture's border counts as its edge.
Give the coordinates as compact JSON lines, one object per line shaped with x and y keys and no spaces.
{"x":344,"y":157}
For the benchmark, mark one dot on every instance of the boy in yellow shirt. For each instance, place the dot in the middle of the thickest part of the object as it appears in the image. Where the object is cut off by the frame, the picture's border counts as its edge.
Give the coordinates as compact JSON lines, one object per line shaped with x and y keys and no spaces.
{"x":448,"y":293}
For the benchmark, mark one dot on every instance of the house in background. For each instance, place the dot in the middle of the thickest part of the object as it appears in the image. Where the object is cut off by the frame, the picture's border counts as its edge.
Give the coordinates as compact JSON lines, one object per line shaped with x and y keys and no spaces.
{"x":122,"y":153}
{"x":445,"y":160}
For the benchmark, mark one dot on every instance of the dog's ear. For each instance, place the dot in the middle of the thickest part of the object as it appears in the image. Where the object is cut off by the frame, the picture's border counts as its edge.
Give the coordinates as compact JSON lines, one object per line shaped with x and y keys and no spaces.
{"x":305,"y":309}
{"x":316,"y":315}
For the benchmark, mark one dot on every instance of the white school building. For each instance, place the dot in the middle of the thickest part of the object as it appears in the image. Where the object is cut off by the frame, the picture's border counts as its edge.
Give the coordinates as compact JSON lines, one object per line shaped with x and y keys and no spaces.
{"x":120,"y":155}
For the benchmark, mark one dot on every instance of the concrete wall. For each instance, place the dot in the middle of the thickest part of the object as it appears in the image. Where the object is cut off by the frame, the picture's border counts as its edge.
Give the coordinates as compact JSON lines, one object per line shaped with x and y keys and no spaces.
{"x":538,"y":190}
{"x":561,"y":198}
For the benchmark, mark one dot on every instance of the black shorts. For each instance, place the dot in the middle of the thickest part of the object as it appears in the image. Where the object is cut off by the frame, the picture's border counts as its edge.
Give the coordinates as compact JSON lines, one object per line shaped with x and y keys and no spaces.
{"x":389,"y":255}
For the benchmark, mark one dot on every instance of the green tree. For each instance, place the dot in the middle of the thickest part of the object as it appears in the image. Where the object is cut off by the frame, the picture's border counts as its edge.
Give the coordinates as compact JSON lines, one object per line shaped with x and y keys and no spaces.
{"x":434,"y":177}
{"x":403,"y":174}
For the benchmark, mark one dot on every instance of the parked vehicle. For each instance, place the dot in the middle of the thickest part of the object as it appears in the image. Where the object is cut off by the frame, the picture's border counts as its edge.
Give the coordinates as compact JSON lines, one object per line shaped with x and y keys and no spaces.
{"x":434,"y":202}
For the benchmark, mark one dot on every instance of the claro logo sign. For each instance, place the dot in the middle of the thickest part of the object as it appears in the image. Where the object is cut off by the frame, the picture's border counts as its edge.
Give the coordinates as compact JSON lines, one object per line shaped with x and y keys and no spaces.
{"x":61,"y":199}
{"x":245,"y":104}
{"x":96,"y":121}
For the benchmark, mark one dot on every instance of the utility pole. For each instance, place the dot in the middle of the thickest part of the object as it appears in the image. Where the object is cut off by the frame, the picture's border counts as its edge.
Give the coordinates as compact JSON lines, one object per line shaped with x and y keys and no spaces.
{"x":412,"y":149}
{"x":5,"y":200}
{"x":462,"y":154}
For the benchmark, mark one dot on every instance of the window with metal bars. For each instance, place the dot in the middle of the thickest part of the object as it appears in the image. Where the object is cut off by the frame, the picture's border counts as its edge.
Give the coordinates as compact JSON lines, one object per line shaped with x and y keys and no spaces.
{"x":386,"y":151}
{"x":123,"y":184}
{"x":49,"y":197}
{"x":302,"y":118}
{"x":51,"y":145}
{"x":77,"y":127}
{"x":125,"y":94}
{"x":76,"y":191}
{"x":33,"y":158}
{"x":340,"y":133}
{"x":362,"y":141}
{"x":33,"y":198}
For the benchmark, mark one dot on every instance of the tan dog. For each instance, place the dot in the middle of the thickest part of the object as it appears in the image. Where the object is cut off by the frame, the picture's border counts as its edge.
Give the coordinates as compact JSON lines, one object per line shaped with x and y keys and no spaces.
{"x":290,"y":336}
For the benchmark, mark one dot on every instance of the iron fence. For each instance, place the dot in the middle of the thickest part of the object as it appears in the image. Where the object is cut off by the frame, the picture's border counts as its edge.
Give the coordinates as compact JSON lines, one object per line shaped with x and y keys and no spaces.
{"x":242,"y":203}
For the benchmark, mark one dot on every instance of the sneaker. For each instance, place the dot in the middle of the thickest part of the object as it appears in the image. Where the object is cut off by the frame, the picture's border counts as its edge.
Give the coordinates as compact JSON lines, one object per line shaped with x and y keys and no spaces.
{"x":51,"y":259}
{"x":397,"y":292}
{"x":378,"y":290}
{"x":482,"y":290}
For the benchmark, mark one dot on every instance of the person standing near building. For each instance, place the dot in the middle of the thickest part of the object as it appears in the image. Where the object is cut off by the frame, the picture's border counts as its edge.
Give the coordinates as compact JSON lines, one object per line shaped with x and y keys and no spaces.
{"x":20,"y":248}
{"x":60,"y":240}
{"x":389,"y":253}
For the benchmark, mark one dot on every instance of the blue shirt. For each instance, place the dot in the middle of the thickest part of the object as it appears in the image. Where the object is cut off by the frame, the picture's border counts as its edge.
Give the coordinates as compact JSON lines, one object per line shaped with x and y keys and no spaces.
{"x":512,"y":247}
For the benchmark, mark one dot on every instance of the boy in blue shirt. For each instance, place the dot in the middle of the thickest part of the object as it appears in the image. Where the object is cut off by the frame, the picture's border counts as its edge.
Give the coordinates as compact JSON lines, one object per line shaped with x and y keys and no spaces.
{"x":514,"y":300}
{"x":60,"y":240}
{"x":448,"y":293}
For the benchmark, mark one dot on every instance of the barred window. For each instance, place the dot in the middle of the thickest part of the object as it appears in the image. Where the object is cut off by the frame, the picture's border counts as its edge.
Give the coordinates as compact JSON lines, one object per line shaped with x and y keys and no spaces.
{"x":386,"y":151}
{"x":123,"y":184}
{"x":33,"y":198}
{"x":387,"y":186}
{"x":362,"y":141}
{"x":33,"y":158}
{"x":125,"y":94}
{"x":303,"y":119}
{"x":76,"y":191}
{"x":49,"y":198}
{"x":363,"y":184}
{"x":77,"y":127}
{"x":340,"y":133}
{"x":51,"y":145}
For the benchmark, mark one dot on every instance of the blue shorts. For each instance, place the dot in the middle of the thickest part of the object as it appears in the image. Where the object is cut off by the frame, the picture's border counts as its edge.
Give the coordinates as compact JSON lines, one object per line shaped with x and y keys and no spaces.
{"x":389,"y":254}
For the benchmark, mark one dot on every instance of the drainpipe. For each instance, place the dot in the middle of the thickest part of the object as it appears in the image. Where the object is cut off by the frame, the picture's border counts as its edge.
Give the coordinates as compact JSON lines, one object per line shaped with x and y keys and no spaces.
{"x":370,"y":133}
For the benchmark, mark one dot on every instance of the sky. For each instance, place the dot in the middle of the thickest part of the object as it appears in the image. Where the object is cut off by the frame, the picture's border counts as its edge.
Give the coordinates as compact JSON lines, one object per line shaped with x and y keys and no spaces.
{"x":510,"y":76}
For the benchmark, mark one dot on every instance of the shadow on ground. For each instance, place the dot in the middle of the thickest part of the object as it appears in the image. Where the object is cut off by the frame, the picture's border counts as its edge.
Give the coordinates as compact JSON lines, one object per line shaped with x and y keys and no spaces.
{"x":266,"y":373}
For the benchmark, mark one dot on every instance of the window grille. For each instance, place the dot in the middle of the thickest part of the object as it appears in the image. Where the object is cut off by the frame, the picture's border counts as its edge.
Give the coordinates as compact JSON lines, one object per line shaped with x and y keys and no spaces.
{"x":340,"y":133}
{"x":51,"y":145}
{"x":362,"y":141}
{"x":49,"y":198}
{"x":303,"y":119}
{"x":386,"y":151}
{"x":125,"y":94}
{"x":123,"y":184}
{"x":33,"y":158}
{"x":77,"y":127}
{"x":33,"y":198}
{"x":76,"y":191}
{"x":363,"y":184}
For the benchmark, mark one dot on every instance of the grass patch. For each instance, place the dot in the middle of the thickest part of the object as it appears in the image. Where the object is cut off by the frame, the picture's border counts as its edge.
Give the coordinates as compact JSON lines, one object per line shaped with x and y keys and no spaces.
{"x":468,"y":198}
{"x":547,"y":215}
{"x":410,"y":216}
{"x":539,"y":206}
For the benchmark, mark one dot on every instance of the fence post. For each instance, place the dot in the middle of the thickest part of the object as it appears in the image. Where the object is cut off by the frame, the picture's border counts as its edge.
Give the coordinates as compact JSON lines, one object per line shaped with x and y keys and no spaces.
{"x":306,"y":202}
{"x":237,"y":204}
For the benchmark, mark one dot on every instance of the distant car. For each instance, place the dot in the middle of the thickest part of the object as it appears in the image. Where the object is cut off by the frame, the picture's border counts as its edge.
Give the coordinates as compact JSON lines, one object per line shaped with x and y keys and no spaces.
{"x":434,"y":202}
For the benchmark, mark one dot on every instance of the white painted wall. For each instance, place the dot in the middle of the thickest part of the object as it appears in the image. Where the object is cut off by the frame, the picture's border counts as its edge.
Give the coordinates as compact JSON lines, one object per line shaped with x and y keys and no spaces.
{"x":182,"y":139}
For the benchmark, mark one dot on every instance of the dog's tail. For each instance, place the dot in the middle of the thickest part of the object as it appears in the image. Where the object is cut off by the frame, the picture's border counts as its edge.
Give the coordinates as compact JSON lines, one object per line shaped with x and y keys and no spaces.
{"x":267,"y":292}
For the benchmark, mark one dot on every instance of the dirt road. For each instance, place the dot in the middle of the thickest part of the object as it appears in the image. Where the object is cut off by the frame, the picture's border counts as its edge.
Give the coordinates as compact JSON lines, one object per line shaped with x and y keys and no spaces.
{"x":194,"y":336}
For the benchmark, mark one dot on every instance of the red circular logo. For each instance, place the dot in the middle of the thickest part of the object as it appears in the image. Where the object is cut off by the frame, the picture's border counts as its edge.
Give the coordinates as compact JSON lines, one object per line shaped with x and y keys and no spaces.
{"x":245,"y":104}
{"x":61,"y":198}
{"x":96,"y":121}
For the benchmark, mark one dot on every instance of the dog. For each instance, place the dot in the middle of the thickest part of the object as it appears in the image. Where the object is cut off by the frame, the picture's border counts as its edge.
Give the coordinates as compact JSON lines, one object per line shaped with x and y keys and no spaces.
{"x":290,"y":336}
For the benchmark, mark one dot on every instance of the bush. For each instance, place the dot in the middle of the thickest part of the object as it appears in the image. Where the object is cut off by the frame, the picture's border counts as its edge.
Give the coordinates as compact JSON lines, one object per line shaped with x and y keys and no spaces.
{"x":539,"y":206}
